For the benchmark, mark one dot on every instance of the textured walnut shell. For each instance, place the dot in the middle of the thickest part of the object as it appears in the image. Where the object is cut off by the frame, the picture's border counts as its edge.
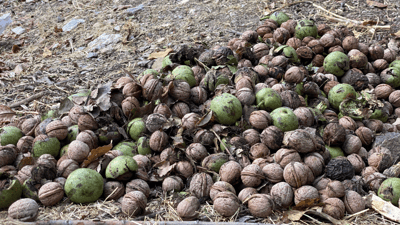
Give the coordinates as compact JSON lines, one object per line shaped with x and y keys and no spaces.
{"x":251,"y":136}
{"x":200,"y":185}
{"x":142,"y":161}
{"x":389,"y":55}
{"x":380,"y":160}
{"x":316,"y":46}
{"x":121,"y":82}
{"x":130,"y":106}
{"x":305,"y":52}
{"x":158,"y":140}
{"x":230,"y":172}
{"x":188,"y":207}
{"x":252,"y":175}
{"x":282,"y":194}
{"x":163,"y":109}
{"x":316,"y":163}
{"x":290,"y":99}
{"x":24,"y":210}
{"x":349,"y":43}
{"x":41,"y":128}
{"x":155,"y":122}
{"x":51,"y":193}
{"x":260,"y":119}
{"x":281,"y":35}
{"x":366,"y":135}
{"x":376,"y":52}
{"x":296,"y":174}
{"x":300,"y":140}
{"x":305,"y":116}
{"x":353,"y":202}
{"x":249,"y":35}
{"x":204,"y":137}
{"x":66,"y":167}
{"x":373,"y":181}
{"x":260,"y":50}
{"x":198,"y":95}
{"x":357,"y":162}
{"x":184,"y":169}
{"x":88,"y":137}
{"x":134,"y":203}
{"x":29,"y":125}
{"x":263,"y":29}
{"x":355,"y":78}
{"x":352,"y":144}
{"x":380,"y":64}
{"x":244,"y":63}
{"x":113,"y":190}
{"x":334,"y":189}
{"x":348,"y":123}
{"x":180,"y":90}
{"x":259,"y":150}
{"x":305,"y":193}
{"x":226,"y":203}
{"x":382,"y":91}
{"x":394,"y":98}
{"x":261,"y":205}
{"x":220,"y":186}
{"x":334,"y":207}
{"x":8,"y":154}
{"x":294,"y":75}
{"x":152,"y":89}
{"x":272,"y":137}
{"x":172,"y":183}
{"x":132,"y":89}
{"x":273,"y":172}
{"x":87,"y":122}
{"x":327,"y":40}
{"x":334,"y":134}
{"x":196,"y":151}
{"x":138,"y":185}
{"x":320,"y":183}
{"x":246,"y":96}
{"x":24,"y":144}
{"x":284,"y":156}
{"x":24,"y":173}
{"x":170,"y":155}
{"x":246,"y":193}
{"x":78,"y":151}
{"x":180,"y":109}
{"x":190,"y":120}
{"x":294,"y":43}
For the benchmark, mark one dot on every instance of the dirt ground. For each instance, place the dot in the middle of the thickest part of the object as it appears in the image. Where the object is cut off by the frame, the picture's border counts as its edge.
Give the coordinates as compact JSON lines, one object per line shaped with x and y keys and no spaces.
{"x":46,"y":60}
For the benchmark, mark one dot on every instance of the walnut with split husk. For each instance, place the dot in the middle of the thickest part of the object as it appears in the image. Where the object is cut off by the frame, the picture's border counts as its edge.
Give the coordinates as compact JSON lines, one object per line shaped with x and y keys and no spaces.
{"x":284,"y":156}
{"x":226,"y":203}
{"x":200,"y":185}
{"x":296,"y":174}
{"x":230,"y":172}
{"x":24,"y":210}
{"x":51,"y":193}
{"x":252,"y":175}
{"x":113,"y":190}
{"x":172,"y":184}
{"x":272,"y":137}
{"x":78,"y":151}
{"x":188,"y":207}
{"x":87,"y":122}
{"x":180,"y":109}
{"x":305,"y":193}
{"x":261,"y":205}
{"x":130,"y":106}
{"x":196,"y":151}
{"x":134,"y":203}
{"x":260,"y":119}
{"x":155,"y":122}
{"x":138,"y":185}
{"x":88,"y":137}
{"x":334,"y":134}
{"x":273,"y":172}
{"x":132,"y":89}
{"x":158,"y":140}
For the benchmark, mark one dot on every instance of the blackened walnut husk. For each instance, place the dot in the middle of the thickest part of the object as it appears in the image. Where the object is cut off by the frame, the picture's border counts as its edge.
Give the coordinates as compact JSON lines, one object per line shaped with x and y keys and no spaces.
{"x":340,"y":169}
{"x":355,"y":78}
{"x":221,"y":55}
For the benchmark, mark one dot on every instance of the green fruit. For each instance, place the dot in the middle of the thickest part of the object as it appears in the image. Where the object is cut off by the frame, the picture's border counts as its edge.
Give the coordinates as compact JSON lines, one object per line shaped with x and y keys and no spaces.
{"x":340,"y":92}
{"x":10,"y":135}
{"x":391,"y":77}
{"x":166,"y":63}
{"x":151,"y":71}
{"x":288,"y":52}
{"x":336,"y":63}
{"x":285,"y":119}
{"x":215,"y":161}
{"x":390,"y":190}
{"x":120,"y":165}
{"x":64,"y":150}
{"x":268,"y":99}
{"x":143,"y":146}
{"x":10,"y":192}
{"x":279,"y":17}
{"x":211,"y":80}
{"x":379,"y":114}
{"x":84,"y":185}
{"x":395,"y":63}
{"x":185,"y":73}
{"x":50,"y":114}
{"x":136,"y":128}
{"x":73,"y":132}
{"x":46,"y":145}
{"x":306,"y":28}
{"x":227,"y":109}
{"x":334,"y":151}
{"x":127,"y":148}
{"x":29,"y":190}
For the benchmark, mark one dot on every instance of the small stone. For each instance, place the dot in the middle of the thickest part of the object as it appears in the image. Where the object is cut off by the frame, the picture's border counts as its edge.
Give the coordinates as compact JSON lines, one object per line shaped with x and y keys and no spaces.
{"x":91,"y":55}
{"x":132,"y":11}
{"x":103,"y":41}
{"x":18,"y":30}
{"x":72,"y":24}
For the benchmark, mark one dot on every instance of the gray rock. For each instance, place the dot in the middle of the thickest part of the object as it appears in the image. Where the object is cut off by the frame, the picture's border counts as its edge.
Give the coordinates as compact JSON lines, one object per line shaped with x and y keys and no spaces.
{"x":132,"y":11}
{"x":5,"y":20}
{"x":143,"y":63}
{"x":72,"y":24}
{"x":391,"y":141}
{"x":18,"y":30}
{"x":92,"y":55}
{"x":103,"y":41}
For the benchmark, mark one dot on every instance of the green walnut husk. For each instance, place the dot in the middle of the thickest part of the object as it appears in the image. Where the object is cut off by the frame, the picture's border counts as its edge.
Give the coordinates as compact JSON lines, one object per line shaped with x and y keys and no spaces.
{"x":354,"y":108}
{"x":212,"y":80}
{"x":29,"y":190}
{"x":64,"y":150}
{"x":306,"y":28}
{"x":284,"y":119}
{"x":51,"y":145}
{"x":395,"y":63}
{"x":185,"y":73}
{"x":215,"y":161}
{"x":226,"y":142}
{"x":227,"y":109}
{"x":50,"y":114}
{"x":136,"y":128}
{"x":73,"y":132}
{"x":166,"y":63}
{"x":268,"y":99}
{"x":334,"y":151}
{"x":336,"y":63}
{"x":393,"y":78}
{"x":288,"y":52}
{"x":84,"y":185}
{"x":10,"y":192}
{"x":127,"y":148}
{"x":279,"y":17}
{"x":10,"y":135}
{"x":379,"y":114}
{"x":120,"y":165}
{"x":151,"y":71}
{"x":105,"y":137}
{"x":340,"y":92}
{"x":143,"y":146}
{"x":390,"y":190}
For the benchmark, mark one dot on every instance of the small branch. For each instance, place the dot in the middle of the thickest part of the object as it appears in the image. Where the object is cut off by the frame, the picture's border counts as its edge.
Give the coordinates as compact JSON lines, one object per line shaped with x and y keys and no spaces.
{"x":333,"y":19}
{"x":27,"y":100}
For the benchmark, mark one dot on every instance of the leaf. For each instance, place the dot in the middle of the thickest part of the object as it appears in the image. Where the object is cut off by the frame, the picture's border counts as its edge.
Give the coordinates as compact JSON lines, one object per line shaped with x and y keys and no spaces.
{"x":156,"y":55}
{"x":15,"y":49}
{"x":57,"y":30}
{"x":6,"y":114}
{"x":308,"y":203}
{"x":376,"y":4}
{"x":397,"y":33}
{"x":102,"y":96}
{"x":386,"y":209}
{"x":80,"y":97}
{"x":65,"y":105}
{"x":26,"y":160}
{"x":47,"y":53}
{"x":96,"y":153}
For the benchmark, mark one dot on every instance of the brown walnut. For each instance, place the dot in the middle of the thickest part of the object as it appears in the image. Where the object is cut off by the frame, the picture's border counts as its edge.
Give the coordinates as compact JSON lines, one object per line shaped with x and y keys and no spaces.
{"x":134,"y":203}
{"x":188,"y":208}
{"x":51,"y":193}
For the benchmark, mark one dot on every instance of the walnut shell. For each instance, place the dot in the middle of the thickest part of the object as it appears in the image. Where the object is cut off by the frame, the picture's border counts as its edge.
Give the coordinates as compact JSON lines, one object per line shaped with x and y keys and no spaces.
{"x":190,"y":120}
{"x":184,"y":169}
{"x":121,"y":82}
{"x":180,"y":109}
{"x":260,"y":50}
{"x":88,"y":137}
{"x":226,"y":203}
{"x":66,"y":167}
{"x":29,"y":125}
{"x":357,"y":162}
{"x":138,"y":185}
{"x":394,"y":98}
{"x":198,"y":95}
{"x":260,"y":119}
{"x":200,"y":185}
{"x":334,"y":189}
{"x":163,"y":109}
{"x":51,"y":193}
{"x":316,"y":163}
{"x":300,"y":140}
{"x":220,"y":186}
{"x":246,"y":96}
{"x":24,"y":144}
{"x":130,"y":106}
{"x":305,"y":193}
{"x":349,"y":43}
{"x":158,"y":140}
{"x":87,"y":122}
{"x":334,"y":134}
{"x":78,"y":151}
{"x":57,"y":129}
{"x":180,"y":90}
{"x":261,"y":205}
{"x":296,"y":174}
{"x":294,"y":75}
{"x":24,"y":210}
{"x":132,"y":89}
{"x":273,"y":172}
{"x":316,"y":46}
{"x":172,"y":183}
{"x":188,"y":207}
{"x":230,"y":172}
{"x":352,"y":144}
{"x":353,"y":202}
{"x":152,"y":89}
{"x":272,"y":137}
{"x":196,"y":151}
{"x":155,"y":122}
{"x":376,"y":52}
{"x":252,"y":175}
{"x":284,"y":156}
{"x":259,"y":150}
{"x":8,"y":154}
{"x":334,"y":207}
{"x":366,"y":135}
{"x":246,"y":193}
{"x":281,"y":35}
{"x":113,"y":190}
{"x":134,"y":203}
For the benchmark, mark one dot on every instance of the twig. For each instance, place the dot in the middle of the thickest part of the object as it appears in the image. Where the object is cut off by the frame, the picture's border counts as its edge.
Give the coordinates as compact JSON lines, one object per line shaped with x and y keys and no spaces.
{"x":387,"y":27}
{"x":27,"y":100}
{"x":226,"y":148}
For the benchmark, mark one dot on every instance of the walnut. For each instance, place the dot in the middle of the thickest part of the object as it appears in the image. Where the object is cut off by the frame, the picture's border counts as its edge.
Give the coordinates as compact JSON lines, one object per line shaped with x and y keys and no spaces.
{"x":245,"y":193}
{"x":258,"y":150}
{"x":134,"y":203}
{"x":295,"y":174}
{"x":376,"y":52}
{"x":374,"y":125}
{"x":158,"y":140}
{"x":78,"y":151}
{"x":41,"y":128}
{"x":357,"y":162}
{"x":316,"y":163}
{"x":389,"y":55}
{"x":66,"y":167}
{"x":321,"y":183}
{"x":180,"y":109}
{"x":130,"y":106}
{"x":251,"y":136}
{"x":353,"y":202}
{"x":305,"y":52}
{"x":290,"y":25}
{"x":334,"y":189}
{"x":300,"y":140}
{"x":260,"y":50}
{"x":252,"y":175}
{"x":220,"y":186}
{"x":143,"y":162}
{"x":51,"y":193}
{"x":305,"y":116}
{"x":294,"y":75}
{"x":272,"y":137}
{"x":294,"y":43}
{"x":138,"y":185}
{"x":316,"y":46}
{"x":8,"y":154}
{"x":155,"y":122}
{"x":262,"y":71}
{"x":352,"y":144}
{"x":198,"y":95}
{"x":285,"y":156}
{"x":196,"y":151}
{"x":260,"y":119}
{"x":188,"y":207}
{"x":132,"y":89}
{"x":260,"y":205}
{"x":334,"y":207}
{"x":380,"y":64}
{"x":327,"y":40}
{"x":334,"y":134}
{"x":373,"y":181}
{"x":281,"y":35}
{"x":113,"y":190}
{"x":170,"y":155}
{"x":29,"y":125}
{"x":184,"y":169}
{"x":282,"y":194}
{"x":394,"y":98}
{"x":263,"y":29}
{"x":226,"y":203}
{"x":190,"y":120}
{"x":273,"y":172}
{"x":318,"y":60}
{"x":348,"y":123}
{"x":305,"y":193}
{"x":172,"y":184}
{"x":200,"y":185}
{"x":290,"y":99}
{"x":349,"y":43}
{"x":339,"y":168}
{"x":250,"y":36}
{"x":152,"y":89}
{"x":246,"y":96}
{"x":366,"y":135}
{"x":180,"y":90}
{"x":24,"y":144}
{"x":88,"y":137}
{"x":323,"y":29}
{"x":380,"y":160}
{"x":163,"y":109}
{"x":280,"y":61}
{"x":24,"y":210}
{"x":87,"y":122}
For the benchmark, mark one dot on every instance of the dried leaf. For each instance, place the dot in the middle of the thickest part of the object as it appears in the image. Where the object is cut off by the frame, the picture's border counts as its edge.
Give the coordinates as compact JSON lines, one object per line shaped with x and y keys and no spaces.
{"x":6,"y":114}
{"x":26,"y":160}
{"x":308,"y":203}
{"x":397,"y":34}
{"x":102,"y":96}
{"x":386,"y":209}
{"x":15,"y":49}
{"x":376,"y":4}
{"x":47,"y":53}
{"x":80,"y":97}
{"x":205,"y":119}
{"x":96,"y":153}
{"x":156,"y":55}
{"x":57,"y":30}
